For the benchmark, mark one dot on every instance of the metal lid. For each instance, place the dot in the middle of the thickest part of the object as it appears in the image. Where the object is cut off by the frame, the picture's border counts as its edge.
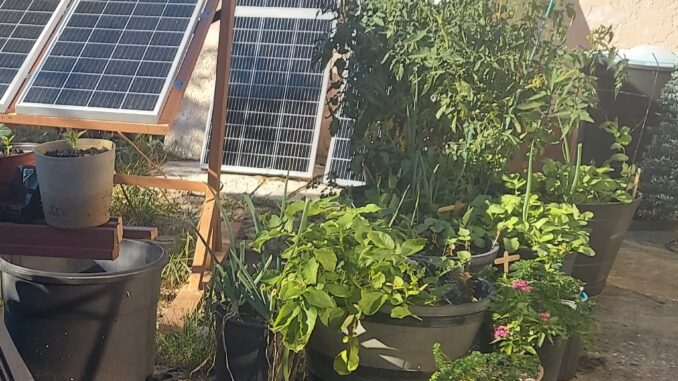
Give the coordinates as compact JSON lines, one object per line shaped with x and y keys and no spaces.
{"x":651,"y":57}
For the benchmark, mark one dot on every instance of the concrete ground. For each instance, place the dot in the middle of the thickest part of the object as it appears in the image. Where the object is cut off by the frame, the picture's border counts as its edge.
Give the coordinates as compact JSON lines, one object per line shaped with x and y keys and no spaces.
{"x":637,"y":337}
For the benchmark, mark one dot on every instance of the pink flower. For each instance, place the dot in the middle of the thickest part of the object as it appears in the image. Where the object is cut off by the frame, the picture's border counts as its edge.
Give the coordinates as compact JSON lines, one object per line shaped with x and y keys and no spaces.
{"x":545,"y":316}
{"x":501,"y":332}
{"x":522,"y":286}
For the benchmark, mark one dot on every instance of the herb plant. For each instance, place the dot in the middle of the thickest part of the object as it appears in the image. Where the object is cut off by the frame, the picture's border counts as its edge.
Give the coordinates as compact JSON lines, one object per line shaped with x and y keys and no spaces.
{"x":6,"y":138}
{"x":339,"y":267}
{"x":72,"y":137}
{"x":549,"y":230}
{"x":478,"y":366}
{"x":535,"y":305}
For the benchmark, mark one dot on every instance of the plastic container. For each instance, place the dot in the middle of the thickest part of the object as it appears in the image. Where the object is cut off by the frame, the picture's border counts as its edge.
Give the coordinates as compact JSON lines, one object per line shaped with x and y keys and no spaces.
{"x":85,"y":320}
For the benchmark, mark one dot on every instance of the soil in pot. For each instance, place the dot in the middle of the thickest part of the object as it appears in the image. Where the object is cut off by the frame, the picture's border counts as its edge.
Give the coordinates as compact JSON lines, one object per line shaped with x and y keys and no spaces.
{"x":393,"y":349}
{"x":241,"y":347}
{"x":76,"y":185}
{"x":608,"y":228}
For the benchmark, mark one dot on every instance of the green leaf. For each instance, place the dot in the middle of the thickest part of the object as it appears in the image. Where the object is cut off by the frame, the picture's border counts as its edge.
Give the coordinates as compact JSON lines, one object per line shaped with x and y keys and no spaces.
{"x":348,"y":360}
{"x":412,"y":246}
{"x":511,"y":244}
{"x":309,"y":271}
{"x":290,"y":289}
{"x":371,"y":301}
{"x":327,"y":258}
{"x":319,"y":298}
{"x":381,"y":239}
{"x":338,"y":290}
{"x":400,"y":312}
{"x":332,"y":317}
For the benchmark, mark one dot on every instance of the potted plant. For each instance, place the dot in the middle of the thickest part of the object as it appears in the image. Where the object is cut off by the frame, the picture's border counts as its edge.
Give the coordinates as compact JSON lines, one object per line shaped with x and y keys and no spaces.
{"x":608,"y":191}
{"x":11,"y":158}
{"x":494,"y":366}
{"x":76,"y":180}
{"x":351,"y":293}
{"x":536,"y":310}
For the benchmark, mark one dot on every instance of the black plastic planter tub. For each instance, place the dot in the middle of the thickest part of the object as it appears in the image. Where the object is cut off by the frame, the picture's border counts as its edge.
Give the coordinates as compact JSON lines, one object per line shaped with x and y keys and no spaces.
{"x":402,"y":349}
{"x":85,"y":320}
{"x":608,"y":228}
{"x":241,"y":349}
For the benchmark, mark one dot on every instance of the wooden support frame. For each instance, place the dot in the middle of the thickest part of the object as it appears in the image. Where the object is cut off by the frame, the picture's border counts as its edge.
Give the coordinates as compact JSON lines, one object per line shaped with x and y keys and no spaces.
{"x":209,"y":226}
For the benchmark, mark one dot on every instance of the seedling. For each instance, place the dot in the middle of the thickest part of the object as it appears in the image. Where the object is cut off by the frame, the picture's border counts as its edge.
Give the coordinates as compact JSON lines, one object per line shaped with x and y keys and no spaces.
{"x":72,"y":138}
{"x":6,"y":138}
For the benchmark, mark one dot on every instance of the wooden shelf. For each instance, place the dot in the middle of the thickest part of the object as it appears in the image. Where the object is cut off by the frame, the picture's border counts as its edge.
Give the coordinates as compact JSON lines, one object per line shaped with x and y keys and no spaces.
{"x":41,"y":240}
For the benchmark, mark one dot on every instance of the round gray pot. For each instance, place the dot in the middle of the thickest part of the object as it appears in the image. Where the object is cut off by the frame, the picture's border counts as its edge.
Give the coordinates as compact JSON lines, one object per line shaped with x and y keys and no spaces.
{"x":76,"y":192}
{"x":398,"y":349}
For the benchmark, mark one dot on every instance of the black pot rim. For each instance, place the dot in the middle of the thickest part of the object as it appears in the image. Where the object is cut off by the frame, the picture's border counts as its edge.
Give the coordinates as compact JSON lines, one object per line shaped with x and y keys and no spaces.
{"x":611,"y":204}
{"x":220,"y":311}
{"x":50,"y":277}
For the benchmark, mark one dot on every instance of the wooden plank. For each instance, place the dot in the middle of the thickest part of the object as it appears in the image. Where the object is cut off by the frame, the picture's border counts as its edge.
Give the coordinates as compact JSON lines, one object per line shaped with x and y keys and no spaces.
{"x":204,"y":243}
{"x":184,"y":304}
{"x":45,"y":241}
{"x":84,"y":124}
{"x":138,"y":232}
{"x":175,"y":98}
{"x":160,"y":182}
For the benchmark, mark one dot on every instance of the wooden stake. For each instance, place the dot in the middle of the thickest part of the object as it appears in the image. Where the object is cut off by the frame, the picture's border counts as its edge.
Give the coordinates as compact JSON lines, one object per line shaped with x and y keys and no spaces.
{"x":506,"y":261}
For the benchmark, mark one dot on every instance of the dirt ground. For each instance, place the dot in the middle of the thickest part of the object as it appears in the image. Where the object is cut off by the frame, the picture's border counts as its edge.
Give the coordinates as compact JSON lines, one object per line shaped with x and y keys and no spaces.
{"x":638,"y":312}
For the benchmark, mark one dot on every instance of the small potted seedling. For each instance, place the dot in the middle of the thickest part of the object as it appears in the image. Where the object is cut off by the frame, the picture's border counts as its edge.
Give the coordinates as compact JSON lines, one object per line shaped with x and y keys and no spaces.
{"x":11,"y":157}
{"x":76,"y":180}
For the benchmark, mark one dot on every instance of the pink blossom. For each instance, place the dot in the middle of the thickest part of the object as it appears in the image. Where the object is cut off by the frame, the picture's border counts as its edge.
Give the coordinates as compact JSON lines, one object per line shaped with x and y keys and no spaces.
{"x":522,"y":286}
{"x":545,"y":316}
{"x":501,"y":332}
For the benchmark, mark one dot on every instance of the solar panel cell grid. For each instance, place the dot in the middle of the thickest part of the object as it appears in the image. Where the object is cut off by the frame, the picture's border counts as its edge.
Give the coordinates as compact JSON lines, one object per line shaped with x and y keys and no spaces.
{"x":114,"y":57}
{"x":275,"y":92}
{"x":338,"y":168}
{"x":22,"y":23}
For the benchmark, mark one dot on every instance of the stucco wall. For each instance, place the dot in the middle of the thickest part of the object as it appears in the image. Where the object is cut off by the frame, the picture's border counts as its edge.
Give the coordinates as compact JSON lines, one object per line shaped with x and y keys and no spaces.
{"x":635,"y":22}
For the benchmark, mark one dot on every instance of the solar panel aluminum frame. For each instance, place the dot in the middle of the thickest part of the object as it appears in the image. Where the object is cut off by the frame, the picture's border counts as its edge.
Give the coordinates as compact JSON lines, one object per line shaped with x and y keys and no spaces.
{"x":262,"y":12}
{"x":25,"y":69}
{"x":100,"y":113}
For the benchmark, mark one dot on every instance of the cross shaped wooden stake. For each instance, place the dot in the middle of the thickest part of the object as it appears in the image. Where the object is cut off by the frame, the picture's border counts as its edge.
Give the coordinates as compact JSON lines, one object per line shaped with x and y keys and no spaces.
{"x":506,"y":261}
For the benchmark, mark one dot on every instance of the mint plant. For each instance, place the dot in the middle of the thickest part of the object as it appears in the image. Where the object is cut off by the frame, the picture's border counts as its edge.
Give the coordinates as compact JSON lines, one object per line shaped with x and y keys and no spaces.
{"x":6,"y":139}
{"x":478,"y":366}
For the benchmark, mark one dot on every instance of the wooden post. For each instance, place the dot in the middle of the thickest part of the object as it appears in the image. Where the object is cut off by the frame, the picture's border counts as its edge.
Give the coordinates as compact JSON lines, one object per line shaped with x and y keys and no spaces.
{"x":211,"y":216}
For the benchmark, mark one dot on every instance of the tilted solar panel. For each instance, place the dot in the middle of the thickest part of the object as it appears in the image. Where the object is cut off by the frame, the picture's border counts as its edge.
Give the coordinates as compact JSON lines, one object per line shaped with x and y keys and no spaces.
{"x":25,"y":27}
{"x":338,"y":167}
{"x":276,"y":90}
{"x":113,"y":60}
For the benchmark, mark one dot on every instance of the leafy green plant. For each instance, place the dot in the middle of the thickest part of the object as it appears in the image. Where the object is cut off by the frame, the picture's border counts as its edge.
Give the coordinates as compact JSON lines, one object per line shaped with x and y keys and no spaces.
{"x":445,"y":93}
{"x":72,"y":137}
{"x":190,"y":348}
{"x":660,"y":185}
{"x":6,"y":139}
{"x":574,"y":182}
{"x":535,"y":305}
{"x":550,"y":230}
{"x":339,"y":267}
{"x":478,"y":366}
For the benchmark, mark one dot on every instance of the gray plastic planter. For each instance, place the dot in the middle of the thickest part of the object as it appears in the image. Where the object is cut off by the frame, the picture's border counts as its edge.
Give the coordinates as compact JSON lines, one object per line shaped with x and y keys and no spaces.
{"x":76,"y":192}
{"x":85,"y":320}
{"x":608,"y":229}
{"x":393,"y":349}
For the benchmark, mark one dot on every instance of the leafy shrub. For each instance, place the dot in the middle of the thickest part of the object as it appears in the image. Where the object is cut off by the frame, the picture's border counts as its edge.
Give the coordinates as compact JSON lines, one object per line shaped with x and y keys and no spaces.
{"x":486,"y":367}
{"x":660,"y":162}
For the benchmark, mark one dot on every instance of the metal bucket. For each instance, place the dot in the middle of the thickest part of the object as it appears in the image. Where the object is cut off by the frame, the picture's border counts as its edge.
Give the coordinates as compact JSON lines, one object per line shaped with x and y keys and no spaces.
{"x":85,"y":320}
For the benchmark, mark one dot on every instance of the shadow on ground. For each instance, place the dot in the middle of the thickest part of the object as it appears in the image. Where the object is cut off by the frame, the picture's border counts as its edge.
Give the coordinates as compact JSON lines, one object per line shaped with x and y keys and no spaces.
{"x":637,"y":338}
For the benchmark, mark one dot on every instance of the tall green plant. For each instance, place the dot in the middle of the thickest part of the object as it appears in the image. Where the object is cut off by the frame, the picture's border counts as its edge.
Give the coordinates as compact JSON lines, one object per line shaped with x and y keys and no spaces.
{"x":445,"y":93}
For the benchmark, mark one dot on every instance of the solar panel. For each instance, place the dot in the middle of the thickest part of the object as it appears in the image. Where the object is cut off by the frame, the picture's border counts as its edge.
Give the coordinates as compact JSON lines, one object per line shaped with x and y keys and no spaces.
{"x":276,"y":91}
{"x":25,"y":26}
{"x":338,"y":167}
{"x":113,"y":60}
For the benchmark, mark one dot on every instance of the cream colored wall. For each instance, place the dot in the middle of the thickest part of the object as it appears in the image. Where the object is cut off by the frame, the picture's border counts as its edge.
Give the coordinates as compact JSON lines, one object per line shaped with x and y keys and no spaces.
{"x":635,"y":22}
